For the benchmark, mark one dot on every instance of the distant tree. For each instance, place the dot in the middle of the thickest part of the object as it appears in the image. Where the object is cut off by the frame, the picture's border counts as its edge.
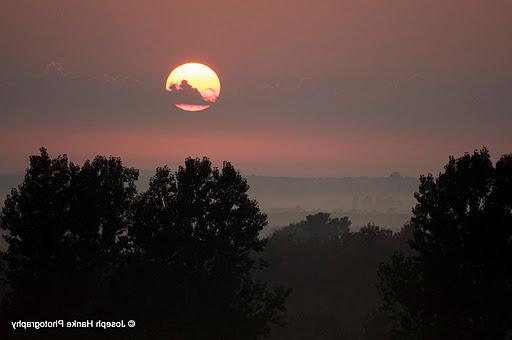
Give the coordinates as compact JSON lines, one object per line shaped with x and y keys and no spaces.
{"x":195,"y":246}
{"x":458,"y":284}
{"x":63,"y":225}
{"x":372,"y":232}
{"x":333,"y":274}
{"x":320,"y":226}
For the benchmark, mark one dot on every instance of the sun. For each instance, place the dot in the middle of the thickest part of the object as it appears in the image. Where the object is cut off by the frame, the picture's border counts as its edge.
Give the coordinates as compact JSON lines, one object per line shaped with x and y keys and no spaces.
{"x":193,"y":86}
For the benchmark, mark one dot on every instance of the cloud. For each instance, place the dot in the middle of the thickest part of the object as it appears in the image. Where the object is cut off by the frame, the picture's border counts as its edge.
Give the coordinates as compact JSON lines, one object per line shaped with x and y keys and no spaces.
{"x":54,"y":93}
{"x":184,"y":93}
{"x":54,"y":69}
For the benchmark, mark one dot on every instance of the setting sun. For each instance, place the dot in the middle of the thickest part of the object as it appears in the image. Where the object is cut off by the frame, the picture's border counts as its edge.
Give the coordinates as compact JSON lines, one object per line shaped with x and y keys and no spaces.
{"x":194,"y":86}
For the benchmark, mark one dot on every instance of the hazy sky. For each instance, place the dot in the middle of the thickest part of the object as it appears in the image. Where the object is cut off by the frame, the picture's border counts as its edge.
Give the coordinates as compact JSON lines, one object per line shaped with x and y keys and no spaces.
{"x":309,"y":88}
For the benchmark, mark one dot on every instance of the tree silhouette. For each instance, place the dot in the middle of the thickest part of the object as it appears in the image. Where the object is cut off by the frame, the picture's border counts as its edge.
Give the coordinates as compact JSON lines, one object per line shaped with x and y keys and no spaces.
{"x":319,"y":226}
{"x":333,"y":274}
{"x":63,"y":222}
{"x":195,"y":238}
{"x":458,"y":285}
{"x":177,"y":258}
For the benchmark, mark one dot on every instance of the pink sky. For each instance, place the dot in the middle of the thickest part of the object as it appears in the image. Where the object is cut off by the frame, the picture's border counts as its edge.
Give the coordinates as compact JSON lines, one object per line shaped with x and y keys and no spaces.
{"x":329,"y":88}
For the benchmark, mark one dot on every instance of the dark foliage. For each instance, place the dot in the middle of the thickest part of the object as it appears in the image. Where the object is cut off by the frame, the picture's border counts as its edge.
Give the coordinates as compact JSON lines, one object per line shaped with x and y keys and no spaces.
{"x":332,"y":272}
{"x":459,"y":283}
{"x":63,"y":224}
{"x":184,"y":258}
{"x":195,"y":240}
{"x":83,"y":245}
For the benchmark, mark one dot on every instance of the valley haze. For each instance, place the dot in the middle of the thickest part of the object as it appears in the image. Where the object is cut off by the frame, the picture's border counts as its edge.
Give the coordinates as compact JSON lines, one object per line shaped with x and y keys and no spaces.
{"x":385,"y":201}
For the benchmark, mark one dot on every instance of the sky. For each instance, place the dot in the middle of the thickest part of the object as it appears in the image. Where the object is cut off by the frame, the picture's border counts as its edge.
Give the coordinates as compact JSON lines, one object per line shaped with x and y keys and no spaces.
{"x":308,"y":88}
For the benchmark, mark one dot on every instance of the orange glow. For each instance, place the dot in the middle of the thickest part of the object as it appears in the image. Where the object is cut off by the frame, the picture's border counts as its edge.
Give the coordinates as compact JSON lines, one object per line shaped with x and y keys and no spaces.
{"x":192,"y":108}
{"x":268,"y":152}
{"x":199,"y":77}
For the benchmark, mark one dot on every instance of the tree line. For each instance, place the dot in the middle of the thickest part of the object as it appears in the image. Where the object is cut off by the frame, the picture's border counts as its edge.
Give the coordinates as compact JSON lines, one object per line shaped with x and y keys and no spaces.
{"x":184,"y":258}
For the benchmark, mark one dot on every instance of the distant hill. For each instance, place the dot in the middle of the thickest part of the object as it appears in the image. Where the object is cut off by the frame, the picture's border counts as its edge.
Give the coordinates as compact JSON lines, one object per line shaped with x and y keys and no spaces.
{"x":386,"y":201}
{"x":347,"y":193}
